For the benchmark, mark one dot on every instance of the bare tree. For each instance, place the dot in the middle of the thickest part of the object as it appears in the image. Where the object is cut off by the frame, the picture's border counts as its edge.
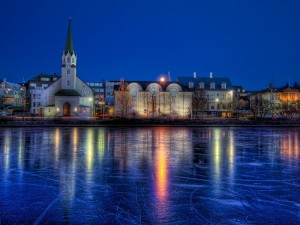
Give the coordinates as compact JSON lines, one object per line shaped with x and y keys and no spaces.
{"x":199,"y":101}
{"x":123,"y":99}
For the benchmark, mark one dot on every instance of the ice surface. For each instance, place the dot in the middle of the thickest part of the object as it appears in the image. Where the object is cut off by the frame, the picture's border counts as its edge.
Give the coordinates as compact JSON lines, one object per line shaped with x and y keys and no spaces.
{"x":152,"y":175}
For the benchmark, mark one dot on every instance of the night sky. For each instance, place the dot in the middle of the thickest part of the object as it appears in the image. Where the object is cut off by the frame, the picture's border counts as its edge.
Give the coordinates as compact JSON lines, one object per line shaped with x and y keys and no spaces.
{"x":253,"y":42}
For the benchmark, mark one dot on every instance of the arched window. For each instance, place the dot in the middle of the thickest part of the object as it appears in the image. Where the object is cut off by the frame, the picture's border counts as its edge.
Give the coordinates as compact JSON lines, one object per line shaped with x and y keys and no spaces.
{"x":133,"y":93}
{"x":68,"y":82}
{"x":173,"y":93}
{"x":68,"y":71}
{"x":73,"y":60}
{"x":68,"y":59}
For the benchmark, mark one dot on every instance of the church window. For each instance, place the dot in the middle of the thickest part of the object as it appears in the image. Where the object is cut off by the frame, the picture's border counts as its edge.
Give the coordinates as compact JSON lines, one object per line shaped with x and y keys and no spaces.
{"x":68,"y":71}
{"x":73,"y":60}
{"x":69,"y":59}
{"x":68,"y":82}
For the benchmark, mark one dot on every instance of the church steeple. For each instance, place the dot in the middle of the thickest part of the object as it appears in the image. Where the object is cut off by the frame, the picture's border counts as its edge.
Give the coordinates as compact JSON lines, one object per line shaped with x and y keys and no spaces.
{"x":69,"y":43}
{"x":69,"y":60}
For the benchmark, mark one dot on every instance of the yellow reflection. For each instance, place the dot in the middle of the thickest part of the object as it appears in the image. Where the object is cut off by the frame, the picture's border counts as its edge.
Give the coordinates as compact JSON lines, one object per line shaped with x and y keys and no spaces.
{"x":90,"y":152}
{"x":101,"y":144}
{"x":57,"y":142}
{"x":217,"y":156}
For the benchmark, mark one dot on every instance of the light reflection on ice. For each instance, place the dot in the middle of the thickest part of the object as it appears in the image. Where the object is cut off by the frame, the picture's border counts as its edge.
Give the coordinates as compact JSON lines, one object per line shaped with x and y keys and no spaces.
{"x":149,"y":175}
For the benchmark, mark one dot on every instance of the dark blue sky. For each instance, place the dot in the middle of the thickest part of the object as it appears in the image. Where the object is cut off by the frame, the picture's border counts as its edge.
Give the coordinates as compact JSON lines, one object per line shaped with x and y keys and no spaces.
{"x":253,"y":42}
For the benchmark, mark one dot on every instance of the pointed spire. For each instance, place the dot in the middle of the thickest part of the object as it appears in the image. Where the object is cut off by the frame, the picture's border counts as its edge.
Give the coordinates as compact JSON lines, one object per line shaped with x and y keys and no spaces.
{"x":69,"y":42}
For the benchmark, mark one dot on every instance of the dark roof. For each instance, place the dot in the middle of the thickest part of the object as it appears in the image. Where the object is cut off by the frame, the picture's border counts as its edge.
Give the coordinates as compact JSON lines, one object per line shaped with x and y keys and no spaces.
{"x":38,"y":77}
{"x":67,"y":92}
{"x":69,"y":43}
{"x":164,"y":85}
{"x":207,"y":80}
{"x":286,"y":87}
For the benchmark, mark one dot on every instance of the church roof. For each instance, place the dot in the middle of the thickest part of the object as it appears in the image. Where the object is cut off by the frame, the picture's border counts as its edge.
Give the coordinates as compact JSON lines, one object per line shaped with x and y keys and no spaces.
{"x":67,"y":92}
{"x":69,"y":43}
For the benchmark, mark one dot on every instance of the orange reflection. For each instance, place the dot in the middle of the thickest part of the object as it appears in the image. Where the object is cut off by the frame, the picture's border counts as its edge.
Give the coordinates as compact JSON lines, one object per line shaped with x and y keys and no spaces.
{"x":289,"y":146}
{"x":161,"y":169}
{"x":57,"y":141}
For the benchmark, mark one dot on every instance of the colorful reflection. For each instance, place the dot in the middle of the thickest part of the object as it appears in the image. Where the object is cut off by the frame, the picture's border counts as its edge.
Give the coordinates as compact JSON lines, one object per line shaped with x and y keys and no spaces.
{"x":161,"y":171}
{"x":289,"y":146}
{"x":217,"y":156}
{"x":57,"y":143}
{"x":89,"y":152}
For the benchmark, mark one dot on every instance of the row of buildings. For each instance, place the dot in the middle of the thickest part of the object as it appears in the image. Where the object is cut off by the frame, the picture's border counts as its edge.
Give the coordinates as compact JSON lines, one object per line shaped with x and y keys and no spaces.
{"x":189,"y":96}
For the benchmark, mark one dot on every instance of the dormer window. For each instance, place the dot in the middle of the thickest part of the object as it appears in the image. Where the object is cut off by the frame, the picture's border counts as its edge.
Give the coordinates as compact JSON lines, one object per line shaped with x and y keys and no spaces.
{"x":191,"y":85}
{"x":223,"y":86}
{"x":201,"y":85}
{"x":212,"y":85}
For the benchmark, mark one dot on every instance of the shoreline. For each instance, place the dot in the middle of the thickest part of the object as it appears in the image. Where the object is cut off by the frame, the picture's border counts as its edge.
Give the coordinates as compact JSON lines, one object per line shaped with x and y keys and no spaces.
{"x":71,"y":122}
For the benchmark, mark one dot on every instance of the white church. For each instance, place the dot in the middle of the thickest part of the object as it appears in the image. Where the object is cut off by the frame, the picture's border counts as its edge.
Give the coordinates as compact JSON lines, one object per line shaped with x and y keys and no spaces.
{"x":68,"y":95}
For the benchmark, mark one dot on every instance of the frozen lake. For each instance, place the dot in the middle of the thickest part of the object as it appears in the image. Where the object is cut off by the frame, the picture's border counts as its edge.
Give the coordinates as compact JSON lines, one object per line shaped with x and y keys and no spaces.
{"x":159,"y":175}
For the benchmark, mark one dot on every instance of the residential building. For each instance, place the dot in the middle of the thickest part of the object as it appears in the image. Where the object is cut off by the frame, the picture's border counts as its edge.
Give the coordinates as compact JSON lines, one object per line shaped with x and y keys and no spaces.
{"x":36,"y":88}
{"x":12,"y":96}
{"x":218,"y":93}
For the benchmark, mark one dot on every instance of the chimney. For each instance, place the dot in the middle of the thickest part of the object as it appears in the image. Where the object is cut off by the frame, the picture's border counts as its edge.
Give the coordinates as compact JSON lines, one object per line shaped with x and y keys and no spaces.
{"x":194,"y":75}
{"x":169,"y":76}
{"x":210,"y":75}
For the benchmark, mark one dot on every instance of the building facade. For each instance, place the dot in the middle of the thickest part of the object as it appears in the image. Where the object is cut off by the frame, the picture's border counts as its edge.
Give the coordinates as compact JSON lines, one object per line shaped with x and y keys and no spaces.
{"x":36,"y":88}
{"x":218,"y":93}
{"x":12,"y":96}
{"x":153,"y":99}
